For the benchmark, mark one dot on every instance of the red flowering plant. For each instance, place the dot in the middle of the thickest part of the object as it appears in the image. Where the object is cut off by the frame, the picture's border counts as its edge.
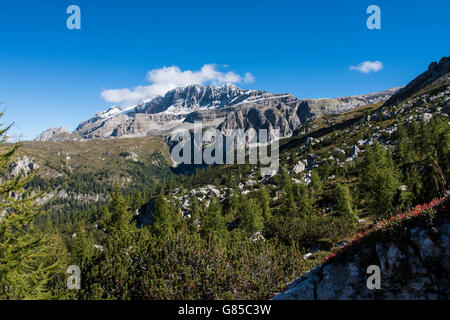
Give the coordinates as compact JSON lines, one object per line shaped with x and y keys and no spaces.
{"x":422,"y":209}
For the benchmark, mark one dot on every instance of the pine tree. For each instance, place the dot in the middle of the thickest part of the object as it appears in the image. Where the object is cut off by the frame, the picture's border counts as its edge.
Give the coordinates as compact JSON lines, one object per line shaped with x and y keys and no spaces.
{"x":316,"y":182}
{"x":380,"y":180}
{"x":213,"y":224}
{"x":291,"y":207}
{"x":286,"y":182}
{"x":424,"y":142}
{"x":415,"y":185}
{"x":120,"y":216}
{"x":195,"y":213}
{"x":344,"y":203}
{"x":402,"y":141}
{"x":306,"y":201}
{"x":251,"y":217}
{"x":264,"y":201}
{"x":163,"y":218}
{"x":32,"y":264}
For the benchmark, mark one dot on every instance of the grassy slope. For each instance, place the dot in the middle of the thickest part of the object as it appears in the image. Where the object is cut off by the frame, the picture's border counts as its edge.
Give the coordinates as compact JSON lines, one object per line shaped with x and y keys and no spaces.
{"x":85,"y":169}
{"x":92,"y":155}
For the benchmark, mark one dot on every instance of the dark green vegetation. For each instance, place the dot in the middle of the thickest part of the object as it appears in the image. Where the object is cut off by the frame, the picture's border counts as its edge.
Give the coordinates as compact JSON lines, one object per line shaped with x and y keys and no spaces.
{"x":226,"y":232}
{"x":77,"y":176}
{"x":32,"y":262}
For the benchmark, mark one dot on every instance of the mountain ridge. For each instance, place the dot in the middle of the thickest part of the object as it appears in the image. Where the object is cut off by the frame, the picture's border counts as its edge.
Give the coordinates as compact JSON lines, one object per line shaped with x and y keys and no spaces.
{"x":229,"y":107}
{"x":223,"y":107}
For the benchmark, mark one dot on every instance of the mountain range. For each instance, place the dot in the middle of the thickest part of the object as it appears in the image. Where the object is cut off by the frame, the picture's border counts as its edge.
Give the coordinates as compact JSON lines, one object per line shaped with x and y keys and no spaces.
{"x":223,"y":107}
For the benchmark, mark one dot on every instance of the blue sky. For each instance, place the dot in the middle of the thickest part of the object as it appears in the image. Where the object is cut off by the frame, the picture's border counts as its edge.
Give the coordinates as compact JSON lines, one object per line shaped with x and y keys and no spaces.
{"x":52,"y":76}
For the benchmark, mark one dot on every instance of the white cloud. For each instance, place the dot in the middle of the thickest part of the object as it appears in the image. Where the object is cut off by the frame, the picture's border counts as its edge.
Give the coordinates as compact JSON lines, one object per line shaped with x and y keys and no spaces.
{"x":248,"y":77}
{"x":168,"y":78}
{"x":368,"y":66}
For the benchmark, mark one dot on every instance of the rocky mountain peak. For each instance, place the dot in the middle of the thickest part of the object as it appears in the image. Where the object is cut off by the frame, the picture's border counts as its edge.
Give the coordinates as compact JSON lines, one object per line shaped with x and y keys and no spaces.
{"x":113,"y":110}
{"x":53,"y":134}
{"x":193,"y":97}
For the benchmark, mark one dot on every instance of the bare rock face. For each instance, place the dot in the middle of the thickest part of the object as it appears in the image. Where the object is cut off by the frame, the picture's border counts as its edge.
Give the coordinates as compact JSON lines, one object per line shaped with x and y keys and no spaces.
{"x":229,"y":107}
{"x":23,"y":165}
{"x":418,"y":267}
{"x":299,"y":167}
{"x":54,"y":134}
{"x":271,"y":112}
{"x":286,"y":113}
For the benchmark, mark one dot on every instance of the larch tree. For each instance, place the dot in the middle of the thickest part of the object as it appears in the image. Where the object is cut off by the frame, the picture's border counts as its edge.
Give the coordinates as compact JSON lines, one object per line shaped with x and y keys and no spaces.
{"x":32,"y":263}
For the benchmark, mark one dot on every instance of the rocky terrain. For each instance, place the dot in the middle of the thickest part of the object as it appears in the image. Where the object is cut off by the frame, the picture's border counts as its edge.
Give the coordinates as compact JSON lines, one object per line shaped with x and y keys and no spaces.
{"x":24,"y":165}
{"x":228,"y":107}
{"x":436,"y":73}
{"x":414,"y":264}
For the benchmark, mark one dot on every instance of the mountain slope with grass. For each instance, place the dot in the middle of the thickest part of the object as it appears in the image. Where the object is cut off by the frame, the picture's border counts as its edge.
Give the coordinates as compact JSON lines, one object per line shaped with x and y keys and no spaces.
{"x":77,"y":175}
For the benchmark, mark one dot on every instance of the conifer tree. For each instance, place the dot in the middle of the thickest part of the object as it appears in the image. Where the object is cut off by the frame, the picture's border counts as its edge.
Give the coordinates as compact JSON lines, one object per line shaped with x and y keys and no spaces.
{"x":291,"y":207}
{"x":32,"y":264}
{"x":402,"y":141}
{"x":195,"y":213}
{"x":379,"y":180}
{"x":163,"y":219}
{"x":120,"y":216}
{"x":251,"y":217}
{"x":307,"y":201}
{"x":316,"y":182}
{"x":344,"y":203}
{"x":286,"y":182}
{"x":264,"y":201}
{"x":213,"y":224}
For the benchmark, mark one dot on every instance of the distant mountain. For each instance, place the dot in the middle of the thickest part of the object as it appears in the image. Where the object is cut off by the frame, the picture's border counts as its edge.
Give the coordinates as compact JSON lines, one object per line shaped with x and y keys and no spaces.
{"x":287,"y":113}
{"x":223,"y":107}
{"x":54,"y":134}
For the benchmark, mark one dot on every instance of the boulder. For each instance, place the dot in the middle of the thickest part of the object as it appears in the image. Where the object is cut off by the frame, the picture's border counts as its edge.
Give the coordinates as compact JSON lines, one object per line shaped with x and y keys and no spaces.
{"x":299,"y":167}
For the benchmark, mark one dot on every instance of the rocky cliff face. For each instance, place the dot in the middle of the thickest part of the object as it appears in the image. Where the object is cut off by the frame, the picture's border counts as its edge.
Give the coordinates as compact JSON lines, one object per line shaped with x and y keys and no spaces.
{"x":286,"y":113}
{"x":414,"y":264}
{"x":24,"y":165}
{"x":223,"y":107}
{"x":274,"y":112}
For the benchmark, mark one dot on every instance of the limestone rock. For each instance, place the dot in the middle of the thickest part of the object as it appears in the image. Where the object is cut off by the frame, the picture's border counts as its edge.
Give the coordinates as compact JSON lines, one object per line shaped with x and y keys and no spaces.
{"x":416,"y":268}
{"x":299,"y":167}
